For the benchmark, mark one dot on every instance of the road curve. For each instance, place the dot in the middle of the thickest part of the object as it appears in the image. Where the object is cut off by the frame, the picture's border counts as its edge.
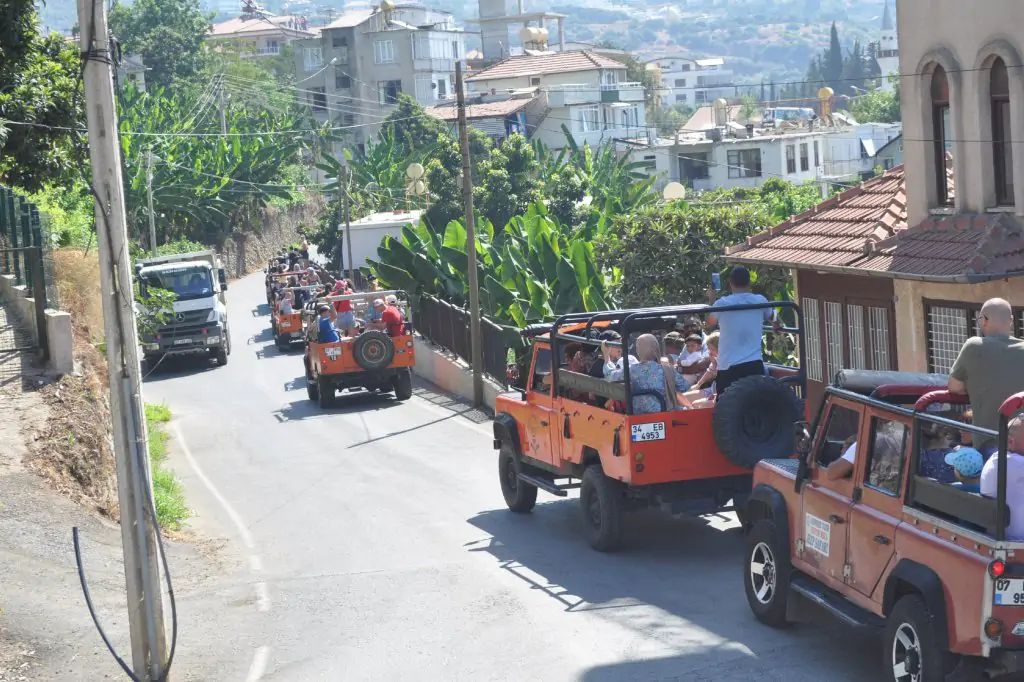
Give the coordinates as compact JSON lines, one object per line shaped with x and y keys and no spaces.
{"x":374,"y":544}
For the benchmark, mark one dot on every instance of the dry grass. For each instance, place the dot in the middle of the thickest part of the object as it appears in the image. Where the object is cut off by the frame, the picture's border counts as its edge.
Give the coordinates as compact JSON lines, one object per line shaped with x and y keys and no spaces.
{"x":74,"y":450}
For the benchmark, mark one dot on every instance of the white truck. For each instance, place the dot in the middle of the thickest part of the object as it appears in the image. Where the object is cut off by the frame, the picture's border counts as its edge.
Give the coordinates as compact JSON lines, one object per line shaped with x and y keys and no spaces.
{"x":198,"y":324}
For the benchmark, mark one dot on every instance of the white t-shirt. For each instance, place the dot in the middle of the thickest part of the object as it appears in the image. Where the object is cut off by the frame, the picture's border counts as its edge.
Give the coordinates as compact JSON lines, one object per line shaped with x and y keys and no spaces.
{"x":851,"y":454}
{"x":1014,"y":490}
{"x":740,"y":330}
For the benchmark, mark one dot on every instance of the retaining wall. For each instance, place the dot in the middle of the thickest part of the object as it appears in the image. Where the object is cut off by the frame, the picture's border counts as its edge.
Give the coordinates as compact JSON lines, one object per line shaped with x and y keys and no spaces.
{"x":249,"y":252}
{"x":450,"y":372}
{"x":58,"y":325}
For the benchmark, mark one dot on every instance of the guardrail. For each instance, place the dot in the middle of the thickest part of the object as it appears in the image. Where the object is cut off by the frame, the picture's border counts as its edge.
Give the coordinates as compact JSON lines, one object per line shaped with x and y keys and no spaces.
{"x":448,"y":326}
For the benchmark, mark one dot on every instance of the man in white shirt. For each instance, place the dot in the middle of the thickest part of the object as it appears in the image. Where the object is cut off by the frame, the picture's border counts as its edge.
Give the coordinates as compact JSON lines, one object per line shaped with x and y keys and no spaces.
{"x":739,"y":348}
{"x":1014,"y":479}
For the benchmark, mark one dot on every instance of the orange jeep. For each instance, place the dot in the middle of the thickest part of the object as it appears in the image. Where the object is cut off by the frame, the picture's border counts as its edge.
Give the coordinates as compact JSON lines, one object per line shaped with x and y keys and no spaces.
{"x":692,"y":461}
{"x":288,"y":327}
{"x":372,"y":359}
{"x":891,"y":546}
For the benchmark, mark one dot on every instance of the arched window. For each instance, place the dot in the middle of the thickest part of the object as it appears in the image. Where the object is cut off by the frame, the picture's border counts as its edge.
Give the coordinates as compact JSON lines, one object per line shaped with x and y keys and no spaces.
{"x":941,"y":134}
{"x":1002,"y":146}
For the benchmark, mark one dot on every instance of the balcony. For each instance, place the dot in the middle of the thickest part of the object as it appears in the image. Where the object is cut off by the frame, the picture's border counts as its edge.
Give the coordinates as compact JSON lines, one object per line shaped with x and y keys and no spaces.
{"x":268,"y":51}
{"x":589,"y":93}
{"x":433,"y":65}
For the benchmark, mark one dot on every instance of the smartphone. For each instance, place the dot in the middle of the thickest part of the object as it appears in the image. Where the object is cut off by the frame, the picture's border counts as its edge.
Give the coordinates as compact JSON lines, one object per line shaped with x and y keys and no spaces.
{"x":716,"y":281}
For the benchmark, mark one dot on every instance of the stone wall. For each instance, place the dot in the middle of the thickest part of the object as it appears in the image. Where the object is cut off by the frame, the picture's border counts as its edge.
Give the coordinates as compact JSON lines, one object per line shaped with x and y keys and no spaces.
{"x":245,"y":253}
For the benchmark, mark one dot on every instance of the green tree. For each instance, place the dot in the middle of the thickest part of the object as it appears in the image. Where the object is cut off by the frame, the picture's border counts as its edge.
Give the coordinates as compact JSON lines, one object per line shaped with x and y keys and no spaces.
{"x":877,"y":106}
{"x":509,"y":181}
{"x":668,"y":120}
{"x":38,"y":75}
{"x":411,"y":126}
{"x":832,"y":61}
{"x":443,"y":172}
{"x":169,"y":34}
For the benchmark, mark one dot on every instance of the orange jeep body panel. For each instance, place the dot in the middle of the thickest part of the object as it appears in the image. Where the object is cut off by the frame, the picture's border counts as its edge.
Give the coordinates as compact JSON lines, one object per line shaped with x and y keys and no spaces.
{"x":326,"y":360}
{"x":288,"y":322}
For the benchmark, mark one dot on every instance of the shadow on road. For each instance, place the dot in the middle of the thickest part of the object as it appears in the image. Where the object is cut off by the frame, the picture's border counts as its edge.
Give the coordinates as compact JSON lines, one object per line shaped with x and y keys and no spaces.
{"x":344,"y":403}
{"x":261,"y":309}
{"x":170,"y":367}
{"x":264,"y":336}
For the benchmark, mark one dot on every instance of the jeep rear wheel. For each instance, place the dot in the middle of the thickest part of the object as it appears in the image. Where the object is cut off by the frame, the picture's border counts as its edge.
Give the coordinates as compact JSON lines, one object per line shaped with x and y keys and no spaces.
{"x":326,"y":394}
{"x":766,"y":579}
{"x":912,"y":652}
{"x":602,"y":502}
{"x":403,"y":384}
{"x":519,"y":496}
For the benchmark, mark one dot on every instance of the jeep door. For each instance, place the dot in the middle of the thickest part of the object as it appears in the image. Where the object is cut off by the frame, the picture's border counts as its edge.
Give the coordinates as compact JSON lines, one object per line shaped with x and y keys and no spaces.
{"x":541,"y":417}
{"x":822,"y":526}
{"x":878,"y":500}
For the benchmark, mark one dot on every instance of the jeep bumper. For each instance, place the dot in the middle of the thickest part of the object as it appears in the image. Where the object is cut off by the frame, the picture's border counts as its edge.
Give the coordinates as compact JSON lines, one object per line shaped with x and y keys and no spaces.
{"x":1005,"y":661}
{"x":357,"y":379}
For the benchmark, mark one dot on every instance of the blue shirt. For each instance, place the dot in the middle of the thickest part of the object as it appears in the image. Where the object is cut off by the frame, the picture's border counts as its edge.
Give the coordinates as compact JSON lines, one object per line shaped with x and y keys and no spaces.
{"x":327,"y":333}
{"x":740,"y":330}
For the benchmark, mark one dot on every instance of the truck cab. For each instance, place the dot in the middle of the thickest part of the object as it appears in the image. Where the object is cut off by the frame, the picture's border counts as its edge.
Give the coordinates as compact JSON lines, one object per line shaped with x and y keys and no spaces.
{"x":198,"y":321}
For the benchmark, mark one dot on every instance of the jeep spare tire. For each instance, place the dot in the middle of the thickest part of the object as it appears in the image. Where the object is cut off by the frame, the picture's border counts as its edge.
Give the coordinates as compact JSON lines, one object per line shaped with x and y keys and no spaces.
{"x":754,"y":419}
{"x":373,"y":350}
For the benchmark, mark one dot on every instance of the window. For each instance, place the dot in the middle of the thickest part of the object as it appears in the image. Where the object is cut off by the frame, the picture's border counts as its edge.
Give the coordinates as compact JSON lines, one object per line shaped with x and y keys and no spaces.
{"x":805,"y":163}
{"x":424,"y":89}
{"x":948,"y":328}
{"x":631,"y":116}
{"x":348,"y":119}
{"x":317,"y":99}
{"x":833,"y":339}
{"x":455,"y":49}
{"x":694,"y":166}
{"x":817,"y":160}
{"x":588,"y":119}
{"x":686,"y":67}
{"x":388,"y":91}
{"x":680,"y":82}
{"x":534,"y":80}
{"x":744,"y":163}
{"x":609,"y":78}
{"x":1002,"y":147}
{"x":312,"y":58}
{"x":886,"y":454}
{"x":855,"y":315}
{"x":878,"y":338}
{"x":681,"y":99}
{"x":812,"y":339}
{"x":842,"y":431}
{"x":790,"y":158}
{"x":541,"y":369}
{"x":339,"y":41}
{"x":941,"y":134}
{"x":383,"y":52}
{"x":342,"y":82}
{"x":700,"y":97}
{"x":442,"y":88}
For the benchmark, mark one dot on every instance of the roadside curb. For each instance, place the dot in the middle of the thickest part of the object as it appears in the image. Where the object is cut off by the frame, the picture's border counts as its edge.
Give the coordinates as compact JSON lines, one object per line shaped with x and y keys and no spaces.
{"x":450,"y":372}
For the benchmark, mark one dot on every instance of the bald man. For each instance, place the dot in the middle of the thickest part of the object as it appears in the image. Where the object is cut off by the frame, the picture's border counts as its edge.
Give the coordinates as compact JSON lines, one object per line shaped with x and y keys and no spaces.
{"x":990,"y":368}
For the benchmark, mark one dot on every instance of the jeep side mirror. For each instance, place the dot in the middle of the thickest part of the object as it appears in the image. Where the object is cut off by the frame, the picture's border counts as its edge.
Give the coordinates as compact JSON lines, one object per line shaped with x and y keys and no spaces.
{"x":802,"y":437}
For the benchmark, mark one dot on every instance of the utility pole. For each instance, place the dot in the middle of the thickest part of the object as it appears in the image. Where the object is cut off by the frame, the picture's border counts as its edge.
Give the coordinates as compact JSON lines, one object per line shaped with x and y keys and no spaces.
{"x":149,"y":201}
{"x":474,"y":291}
{"x":348,"y":225}
{"x":134,"y":492}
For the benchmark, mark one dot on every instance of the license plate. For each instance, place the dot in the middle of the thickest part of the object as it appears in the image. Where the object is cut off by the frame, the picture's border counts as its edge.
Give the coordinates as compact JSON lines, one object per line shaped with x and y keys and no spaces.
{"x":1009,"y":592}
{"x":182,"y":342}
{"x":641,"y":433}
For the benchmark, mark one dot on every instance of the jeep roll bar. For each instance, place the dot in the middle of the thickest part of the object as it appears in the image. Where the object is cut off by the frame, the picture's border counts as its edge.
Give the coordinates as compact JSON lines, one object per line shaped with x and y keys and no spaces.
{"x":630,"y":321}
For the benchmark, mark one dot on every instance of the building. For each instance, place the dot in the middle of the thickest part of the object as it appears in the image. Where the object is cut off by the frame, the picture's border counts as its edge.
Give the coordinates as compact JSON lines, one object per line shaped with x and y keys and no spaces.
{"x":890,"y":154}
{"x":498,"y":119}
{"x":132,"y":70}
{"x":692,"y":82}
{"x":369,"y":231}
{"x":851,"y":154}
{"x":263,"y":35}
{"x":888,"y":56}
{"x":891,"y":274}
{"x":495,"y":21}
{"x":583,"y":91}
{"x":360,"y":63}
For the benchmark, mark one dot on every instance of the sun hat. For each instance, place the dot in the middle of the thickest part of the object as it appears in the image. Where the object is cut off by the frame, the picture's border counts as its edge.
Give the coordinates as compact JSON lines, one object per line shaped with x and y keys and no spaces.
{"x":968,"y":462}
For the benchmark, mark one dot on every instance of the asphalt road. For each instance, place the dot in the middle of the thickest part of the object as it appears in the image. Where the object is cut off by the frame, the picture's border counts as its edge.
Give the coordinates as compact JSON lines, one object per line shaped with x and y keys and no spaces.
{"x":375,"y":545}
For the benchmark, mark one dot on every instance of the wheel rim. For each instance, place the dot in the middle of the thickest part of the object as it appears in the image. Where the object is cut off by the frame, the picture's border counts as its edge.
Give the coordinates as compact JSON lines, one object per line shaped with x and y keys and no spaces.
{"x":511,"y":477}
{"x":763,"y":573}
{"x":906,"y":654}
{"x":374,"y":351}
{"x":594,"y":511}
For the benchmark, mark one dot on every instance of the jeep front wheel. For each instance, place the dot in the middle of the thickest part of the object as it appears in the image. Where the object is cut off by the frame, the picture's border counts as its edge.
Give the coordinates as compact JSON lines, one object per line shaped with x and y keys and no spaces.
{"x":519,"y":496}
{"x":767,"y":574}
{"x":602,"y":502}
{"x":912,"y":651}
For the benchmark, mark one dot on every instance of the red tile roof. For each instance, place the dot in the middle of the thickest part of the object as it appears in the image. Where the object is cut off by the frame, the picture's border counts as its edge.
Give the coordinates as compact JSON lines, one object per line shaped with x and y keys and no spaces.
{"x":449,"y":112}
{"x":836,"y":232}
{"x":549,"y":62}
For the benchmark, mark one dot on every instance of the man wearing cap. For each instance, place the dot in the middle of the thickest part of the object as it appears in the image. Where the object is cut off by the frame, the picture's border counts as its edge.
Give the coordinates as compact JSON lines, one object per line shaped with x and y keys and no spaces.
{"x":392,"y":300}
{"x":326,"y":332}
{"x":739,"y":347}
{"x":391,"y":318}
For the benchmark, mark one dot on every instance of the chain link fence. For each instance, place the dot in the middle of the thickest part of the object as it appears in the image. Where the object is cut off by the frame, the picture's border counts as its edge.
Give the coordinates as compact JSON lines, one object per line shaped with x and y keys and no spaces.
{"x":22,"y":229}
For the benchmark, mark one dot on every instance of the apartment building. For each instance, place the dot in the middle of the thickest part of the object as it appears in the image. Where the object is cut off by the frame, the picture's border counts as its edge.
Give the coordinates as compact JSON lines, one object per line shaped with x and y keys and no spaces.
{"x":261,"y":35}
{"x":853,"y":150}
{"x":584,"y":91}
{"x":361,"y":62}
{"x":692,"y":82}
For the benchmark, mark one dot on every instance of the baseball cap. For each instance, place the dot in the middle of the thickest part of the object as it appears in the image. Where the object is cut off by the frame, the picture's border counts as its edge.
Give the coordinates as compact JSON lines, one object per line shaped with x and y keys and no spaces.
{"x":694,"y":337}
{"x":674,"y":338}
{"x":391,"y":299}
{"x":322,"y":306}
{"x":378,"y":301}
{"x":968,"y":462}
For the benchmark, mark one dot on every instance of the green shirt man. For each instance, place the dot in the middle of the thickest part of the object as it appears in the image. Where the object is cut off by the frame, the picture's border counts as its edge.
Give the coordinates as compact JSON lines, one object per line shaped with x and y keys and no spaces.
{"x":990,"y":368}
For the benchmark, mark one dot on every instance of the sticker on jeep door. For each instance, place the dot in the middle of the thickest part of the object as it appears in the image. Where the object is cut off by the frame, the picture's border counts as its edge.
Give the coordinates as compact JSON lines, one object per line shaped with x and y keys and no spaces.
{"x":818,"y":534}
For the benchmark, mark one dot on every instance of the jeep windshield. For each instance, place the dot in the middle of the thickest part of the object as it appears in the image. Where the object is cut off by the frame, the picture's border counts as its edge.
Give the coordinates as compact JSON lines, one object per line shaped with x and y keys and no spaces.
{"x":185,"y":282}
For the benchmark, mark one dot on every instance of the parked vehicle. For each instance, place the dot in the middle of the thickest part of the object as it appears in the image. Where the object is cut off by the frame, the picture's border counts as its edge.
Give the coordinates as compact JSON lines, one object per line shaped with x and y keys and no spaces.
{"x":888,"y":548}
{"x":199,"y":320}
{"x":372,"y":359}
{"x":693,"y":461}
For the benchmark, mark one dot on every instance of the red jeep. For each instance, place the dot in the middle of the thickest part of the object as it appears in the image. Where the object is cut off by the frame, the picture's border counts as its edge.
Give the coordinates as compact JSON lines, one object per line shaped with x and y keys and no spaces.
{"x":891,"y":546}
{"x":685,"y":461}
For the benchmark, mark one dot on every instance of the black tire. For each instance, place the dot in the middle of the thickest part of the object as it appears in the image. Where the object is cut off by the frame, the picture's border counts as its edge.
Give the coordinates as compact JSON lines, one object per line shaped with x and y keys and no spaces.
{"x":767,"y":585}
{"x":221,"y":355}
{"x":312,"y":388}
{"x":325,"y":395}
{"x":601,"y":501}
{"x":753,"y":420}
{"x":373,"y":350}
{"x":403,"y":384}
{"x":519,"y":496}
{"x":910,"y":622}
{"x":281,"y":343}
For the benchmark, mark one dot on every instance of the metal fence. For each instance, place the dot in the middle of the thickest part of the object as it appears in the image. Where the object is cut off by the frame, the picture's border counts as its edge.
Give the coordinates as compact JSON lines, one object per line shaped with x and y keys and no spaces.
{"x":448,"y":326}
{"x":23,"y":241}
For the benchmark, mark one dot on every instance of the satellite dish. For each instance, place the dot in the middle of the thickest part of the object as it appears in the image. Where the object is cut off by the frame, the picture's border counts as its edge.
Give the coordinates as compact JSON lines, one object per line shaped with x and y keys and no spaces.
{"x":414,"y":171}
{"x":673,"y":191}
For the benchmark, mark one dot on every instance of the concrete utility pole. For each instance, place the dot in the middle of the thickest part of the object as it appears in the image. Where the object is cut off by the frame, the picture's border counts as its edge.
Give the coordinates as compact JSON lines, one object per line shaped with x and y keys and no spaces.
{"x":474,"y":291}
{"x":134,"y":493}
{"x":149,"y":201}
{"x":348,"y":223}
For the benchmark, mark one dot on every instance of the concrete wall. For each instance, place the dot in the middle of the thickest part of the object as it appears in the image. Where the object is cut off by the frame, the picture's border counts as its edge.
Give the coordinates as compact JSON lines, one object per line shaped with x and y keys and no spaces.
{"x":449,"y":372}
{"x":245,"y":253}
{"x":58,"y":325}
{"x":964,"y":41}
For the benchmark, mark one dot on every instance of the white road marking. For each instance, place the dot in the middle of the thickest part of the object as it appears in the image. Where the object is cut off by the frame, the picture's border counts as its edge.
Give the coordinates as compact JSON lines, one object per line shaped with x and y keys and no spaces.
{"x":225,"y":505}
{"x":259,"y":664}
{"x":262,"y":597}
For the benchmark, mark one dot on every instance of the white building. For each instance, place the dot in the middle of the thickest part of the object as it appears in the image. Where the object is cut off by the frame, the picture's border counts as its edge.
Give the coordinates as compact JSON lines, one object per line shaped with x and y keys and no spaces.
{"x":692,"y":82}
{"x":888,"y":51}
{"x":584,"y":91}
{"x":263,"y":36}
{"x":369,"y":231}
{"x":852,"y":150}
